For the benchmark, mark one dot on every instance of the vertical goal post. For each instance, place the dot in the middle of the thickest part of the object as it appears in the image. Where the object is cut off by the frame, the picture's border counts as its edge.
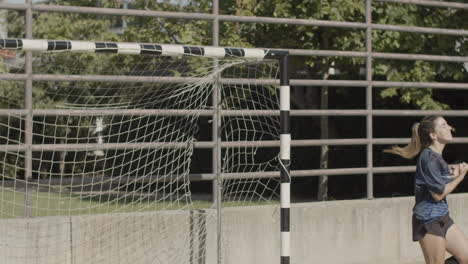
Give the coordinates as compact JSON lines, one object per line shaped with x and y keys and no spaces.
{"x":57,"y":46}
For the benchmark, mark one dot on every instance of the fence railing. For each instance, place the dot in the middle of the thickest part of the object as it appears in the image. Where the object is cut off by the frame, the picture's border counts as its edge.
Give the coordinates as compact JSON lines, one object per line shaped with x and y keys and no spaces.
{"x":215,"y":17}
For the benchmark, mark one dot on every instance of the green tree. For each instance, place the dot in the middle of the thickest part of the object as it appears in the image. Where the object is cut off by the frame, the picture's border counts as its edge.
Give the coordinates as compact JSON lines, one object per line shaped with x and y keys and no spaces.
{"x":183,"y":31}
{"x":328,"y":38}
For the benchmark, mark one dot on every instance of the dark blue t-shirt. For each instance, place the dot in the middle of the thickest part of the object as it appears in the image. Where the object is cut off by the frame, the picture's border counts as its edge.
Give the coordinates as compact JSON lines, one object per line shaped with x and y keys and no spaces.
{"x":432,"y":174}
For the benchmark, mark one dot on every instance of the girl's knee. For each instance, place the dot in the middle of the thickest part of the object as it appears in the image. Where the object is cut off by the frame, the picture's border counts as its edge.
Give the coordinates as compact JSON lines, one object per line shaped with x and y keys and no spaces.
{"x":435,"y":261}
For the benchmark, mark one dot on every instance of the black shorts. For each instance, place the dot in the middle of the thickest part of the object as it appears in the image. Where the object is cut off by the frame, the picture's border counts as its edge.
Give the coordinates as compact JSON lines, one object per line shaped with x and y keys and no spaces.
{"x":437,"y":227}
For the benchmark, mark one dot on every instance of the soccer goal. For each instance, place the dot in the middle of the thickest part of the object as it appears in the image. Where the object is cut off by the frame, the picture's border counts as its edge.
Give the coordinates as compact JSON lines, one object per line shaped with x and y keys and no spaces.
{"x":99,"y":142}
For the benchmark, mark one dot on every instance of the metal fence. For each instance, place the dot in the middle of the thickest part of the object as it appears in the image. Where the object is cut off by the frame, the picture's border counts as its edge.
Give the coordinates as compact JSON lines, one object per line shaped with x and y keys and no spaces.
{"x":216,"y":18}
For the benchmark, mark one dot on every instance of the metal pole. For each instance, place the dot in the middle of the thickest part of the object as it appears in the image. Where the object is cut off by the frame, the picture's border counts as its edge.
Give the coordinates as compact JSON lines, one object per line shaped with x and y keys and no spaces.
{"x":428,"y":3}
{"x":216,"y":159}
{"x":28,"y":122}
{"x":369,"y":135}
{"x":285,"y":150}
{"x":298,"y":82}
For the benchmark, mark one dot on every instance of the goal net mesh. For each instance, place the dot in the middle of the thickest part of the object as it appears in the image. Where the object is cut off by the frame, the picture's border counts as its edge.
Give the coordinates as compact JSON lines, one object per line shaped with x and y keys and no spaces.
{"x":97,"y":166}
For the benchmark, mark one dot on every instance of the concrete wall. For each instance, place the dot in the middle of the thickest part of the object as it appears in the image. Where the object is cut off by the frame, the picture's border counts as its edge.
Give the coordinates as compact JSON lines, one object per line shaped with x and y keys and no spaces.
{"x":169,"y":237}
{"x":342,"y":232}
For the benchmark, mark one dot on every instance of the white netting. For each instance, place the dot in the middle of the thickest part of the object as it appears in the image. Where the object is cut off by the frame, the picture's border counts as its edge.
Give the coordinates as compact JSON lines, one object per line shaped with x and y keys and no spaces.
{"x":112,"y":145}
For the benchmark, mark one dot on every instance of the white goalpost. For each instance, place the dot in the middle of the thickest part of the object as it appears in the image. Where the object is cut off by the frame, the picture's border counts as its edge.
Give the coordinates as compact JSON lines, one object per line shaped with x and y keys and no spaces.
{"x":98,"y":142}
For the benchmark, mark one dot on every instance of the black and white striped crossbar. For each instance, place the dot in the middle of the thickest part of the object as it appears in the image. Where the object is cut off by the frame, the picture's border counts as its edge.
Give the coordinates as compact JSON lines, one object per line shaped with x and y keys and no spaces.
{"x":137,"y":48}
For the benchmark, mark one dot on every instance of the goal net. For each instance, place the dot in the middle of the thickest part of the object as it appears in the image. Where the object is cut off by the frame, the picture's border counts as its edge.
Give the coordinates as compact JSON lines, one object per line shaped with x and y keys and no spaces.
{"x":100,"y":144}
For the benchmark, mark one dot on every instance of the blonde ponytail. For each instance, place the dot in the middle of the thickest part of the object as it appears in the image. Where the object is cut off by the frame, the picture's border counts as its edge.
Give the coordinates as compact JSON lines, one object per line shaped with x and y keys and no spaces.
{"x":412,"y":149}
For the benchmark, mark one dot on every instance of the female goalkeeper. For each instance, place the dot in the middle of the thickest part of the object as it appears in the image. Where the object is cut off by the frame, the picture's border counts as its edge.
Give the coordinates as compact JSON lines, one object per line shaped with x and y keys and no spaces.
{"x":432,"y":225}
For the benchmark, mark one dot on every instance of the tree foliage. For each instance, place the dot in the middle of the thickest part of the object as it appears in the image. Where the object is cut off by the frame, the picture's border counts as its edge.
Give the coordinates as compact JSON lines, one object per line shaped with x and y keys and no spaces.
{"x":183,"y":31}
{"x":327,"y":38}
{"x":51,"y":25}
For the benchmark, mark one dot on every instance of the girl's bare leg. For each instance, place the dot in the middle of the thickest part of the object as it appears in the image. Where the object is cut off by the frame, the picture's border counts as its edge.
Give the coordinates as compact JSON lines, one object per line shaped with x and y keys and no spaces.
{"x":457,"y":244}
{"x":433,"y":248}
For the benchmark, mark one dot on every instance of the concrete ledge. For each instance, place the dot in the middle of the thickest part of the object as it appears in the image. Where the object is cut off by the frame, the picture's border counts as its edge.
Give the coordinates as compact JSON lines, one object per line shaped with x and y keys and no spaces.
{"x":341,"y":232}
{"x":171,"y":237}
{"x":35,"y":240}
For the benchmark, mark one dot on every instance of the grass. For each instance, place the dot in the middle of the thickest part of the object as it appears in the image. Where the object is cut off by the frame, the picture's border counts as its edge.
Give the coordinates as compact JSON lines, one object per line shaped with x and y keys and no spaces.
{"x":12,"y":204}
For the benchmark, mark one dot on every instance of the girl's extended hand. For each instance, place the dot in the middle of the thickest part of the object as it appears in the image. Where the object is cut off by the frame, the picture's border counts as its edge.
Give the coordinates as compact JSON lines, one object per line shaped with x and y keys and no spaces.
{"x":459,"y":169}
{"x":455,"y":170}
{"x":463,"y":169}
